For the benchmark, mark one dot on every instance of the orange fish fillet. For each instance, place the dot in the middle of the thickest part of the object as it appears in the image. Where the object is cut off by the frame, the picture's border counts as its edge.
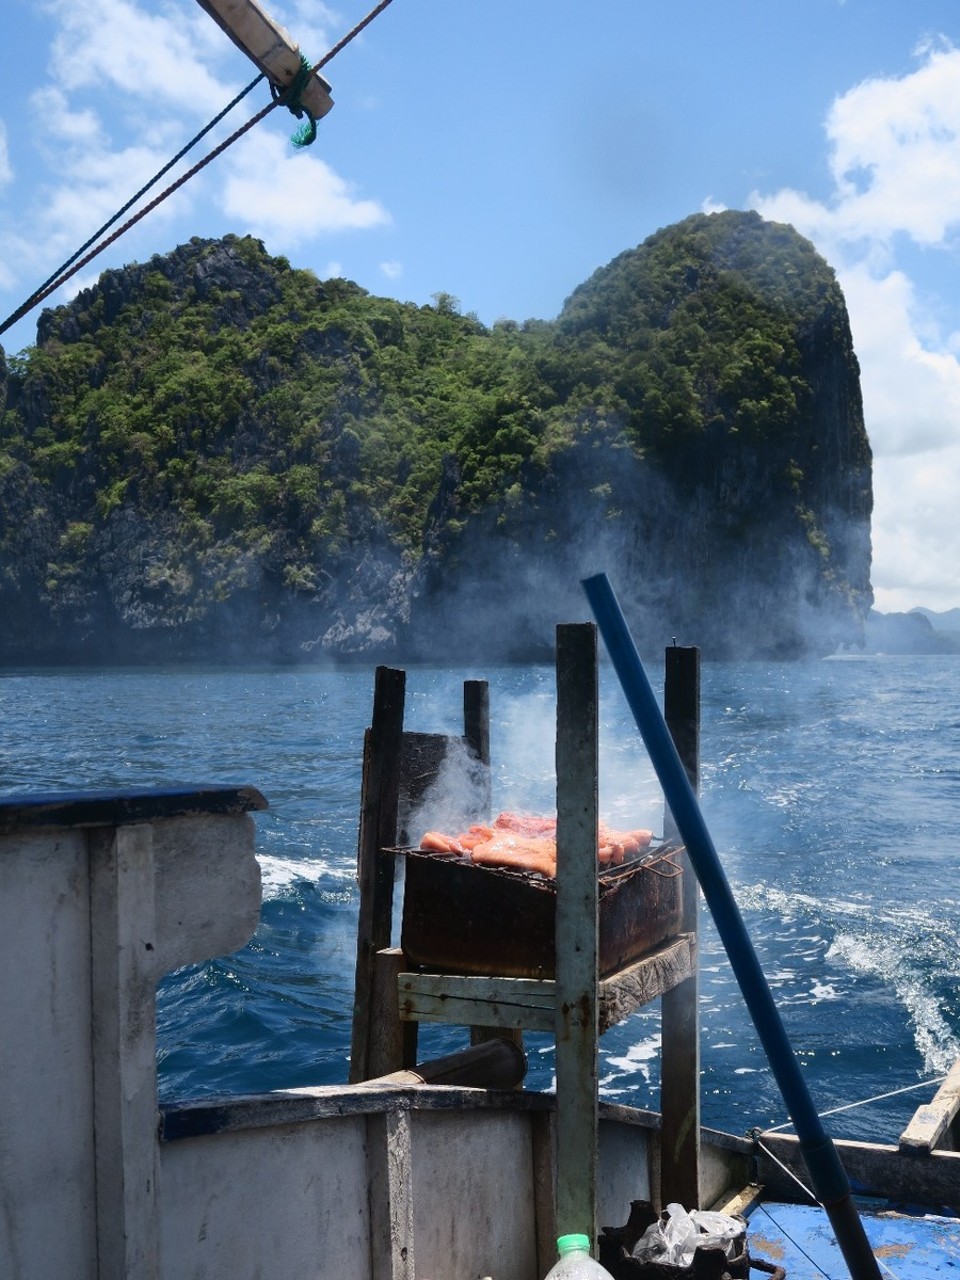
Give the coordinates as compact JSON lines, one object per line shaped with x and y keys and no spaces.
{"x":508,"y":849}
{"x":530,"y":842}
{"x":438,"y":842}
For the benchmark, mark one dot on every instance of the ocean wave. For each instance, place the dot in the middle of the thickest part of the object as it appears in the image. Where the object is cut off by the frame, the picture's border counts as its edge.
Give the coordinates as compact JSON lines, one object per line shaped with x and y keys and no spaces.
{"x":278,"y":874}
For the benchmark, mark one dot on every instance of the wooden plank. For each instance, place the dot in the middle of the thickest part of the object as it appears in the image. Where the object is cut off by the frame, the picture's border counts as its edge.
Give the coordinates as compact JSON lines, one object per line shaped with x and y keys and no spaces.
{"x":380,"y":795}
{"x":123,"y":984}
{"x":680,"y":1034}
{"x":331,"y":1102}
{"x":422,"y":757}
{"x":478,"y":1001}
{"x":646,"y":979}
{"x":530,"y":1002}
{"x":270,"y":47}
{"x":577,"y":947}
{"x":930,"y":1123}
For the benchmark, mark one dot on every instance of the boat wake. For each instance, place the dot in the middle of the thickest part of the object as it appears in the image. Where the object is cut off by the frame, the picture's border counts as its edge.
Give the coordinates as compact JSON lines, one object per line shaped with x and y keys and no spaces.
{"x":860,"y":950}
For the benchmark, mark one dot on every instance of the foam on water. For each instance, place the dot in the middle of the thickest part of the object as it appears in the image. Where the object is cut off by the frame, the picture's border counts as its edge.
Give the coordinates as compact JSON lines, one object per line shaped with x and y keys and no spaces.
{"x":278,"y":875}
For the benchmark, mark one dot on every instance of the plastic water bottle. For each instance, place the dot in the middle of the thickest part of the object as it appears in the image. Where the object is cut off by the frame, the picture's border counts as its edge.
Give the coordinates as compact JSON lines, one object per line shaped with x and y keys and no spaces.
{"x":575,"y":1262}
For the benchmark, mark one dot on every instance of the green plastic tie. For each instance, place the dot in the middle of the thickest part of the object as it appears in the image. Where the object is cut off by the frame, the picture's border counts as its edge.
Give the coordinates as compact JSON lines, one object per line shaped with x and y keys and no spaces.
{"x":291,"y":99}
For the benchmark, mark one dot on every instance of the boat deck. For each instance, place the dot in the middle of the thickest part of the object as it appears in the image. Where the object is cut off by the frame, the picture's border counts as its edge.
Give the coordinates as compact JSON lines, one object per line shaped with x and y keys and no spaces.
{"x":908,"y":1245}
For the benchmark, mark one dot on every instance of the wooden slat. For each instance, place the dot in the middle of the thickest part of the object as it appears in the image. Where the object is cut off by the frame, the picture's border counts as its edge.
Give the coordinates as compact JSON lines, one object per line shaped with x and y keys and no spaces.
{"x":646,"y":979}
{"x":391,"y":1043}
{"x":931,"y":1122}
{"x":530,"y":1002}
{"x":577,"y":929}
{"x":478,"y":1001}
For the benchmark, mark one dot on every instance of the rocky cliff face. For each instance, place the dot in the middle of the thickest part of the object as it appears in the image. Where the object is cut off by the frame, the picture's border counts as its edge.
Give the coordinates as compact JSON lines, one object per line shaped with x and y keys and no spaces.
{"x":741,"y":523}
{"x":212,"y":457}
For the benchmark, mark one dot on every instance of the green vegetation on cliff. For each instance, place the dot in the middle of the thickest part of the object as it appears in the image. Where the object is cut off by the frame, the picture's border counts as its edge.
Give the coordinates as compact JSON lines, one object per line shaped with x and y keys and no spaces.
{"x":215,"y":428}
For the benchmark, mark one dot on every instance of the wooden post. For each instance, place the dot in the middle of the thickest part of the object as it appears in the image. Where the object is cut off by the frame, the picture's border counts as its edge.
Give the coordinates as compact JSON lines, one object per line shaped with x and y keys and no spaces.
{"x":476,"y":731}
{"x":576,"y":928}
{"x":375,"y":871}
{"x":476,"y":734}
{"x":391,"y":1195}
{"x":680,"y":1035}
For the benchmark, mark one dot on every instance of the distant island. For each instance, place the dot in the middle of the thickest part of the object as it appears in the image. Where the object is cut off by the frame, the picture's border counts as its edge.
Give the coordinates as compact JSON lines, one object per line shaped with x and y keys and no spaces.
{"x":920,"y":631}
{"x":215,"y":456}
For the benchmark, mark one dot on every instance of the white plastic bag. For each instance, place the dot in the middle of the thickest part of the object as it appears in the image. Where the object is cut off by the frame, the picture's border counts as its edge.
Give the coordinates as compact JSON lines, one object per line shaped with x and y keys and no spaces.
{"x":677,"y":1235}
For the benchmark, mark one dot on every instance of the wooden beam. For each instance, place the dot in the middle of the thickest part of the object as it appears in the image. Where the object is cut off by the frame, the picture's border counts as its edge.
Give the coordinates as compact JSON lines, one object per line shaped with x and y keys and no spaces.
{"x":391,"y":1043}
{"x":530,"y":1003}
{"x":657,"y":974}
{"x":930,"y":1123}
{"x":123,"y":984}
{"x":577,"y":929}
{"x":480,"y":1001}
{"x":390,"y":1170}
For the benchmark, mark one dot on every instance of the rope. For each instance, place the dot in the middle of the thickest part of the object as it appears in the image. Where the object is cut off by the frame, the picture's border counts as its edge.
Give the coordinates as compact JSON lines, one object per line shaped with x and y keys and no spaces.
{"x":144,"y":189}
{"x":291,"y":97}
{"x":799,"y":1248}
{"x":77,"y":263}
{"x":851,"y":1106}
{"x":796,"y":1243}
{"x":788,"y":1171}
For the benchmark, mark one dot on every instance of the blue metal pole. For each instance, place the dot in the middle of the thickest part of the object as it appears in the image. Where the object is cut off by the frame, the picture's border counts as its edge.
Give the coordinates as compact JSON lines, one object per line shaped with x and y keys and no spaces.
{"x":827,"y":1174}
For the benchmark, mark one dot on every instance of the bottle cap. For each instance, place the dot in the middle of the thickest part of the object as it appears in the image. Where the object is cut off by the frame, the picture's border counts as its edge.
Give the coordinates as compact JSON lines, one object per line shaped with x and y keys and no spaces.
{"x":567,"y":1244}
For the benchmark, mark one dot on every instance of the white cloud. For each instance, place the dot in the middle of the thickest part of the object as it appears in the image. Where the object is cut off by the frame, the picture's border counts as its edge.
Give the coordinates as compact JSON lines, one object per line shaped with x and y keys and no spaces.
{"x":150,"y":56}
{"x":289,"y":197}
{"x":895,"y":161}
{"x":6,"y":172}
{"x":129,"y":82}
{"x":392,"y":270}
{"x":917,"y":542}
{"x":894,"y":152}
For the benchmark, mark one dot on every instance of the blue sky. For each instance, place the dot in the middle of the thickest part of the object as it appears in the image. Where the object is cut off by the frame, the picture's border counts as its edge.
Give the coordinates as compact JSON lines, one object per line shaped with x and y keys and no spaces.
{"x":502,"y":150}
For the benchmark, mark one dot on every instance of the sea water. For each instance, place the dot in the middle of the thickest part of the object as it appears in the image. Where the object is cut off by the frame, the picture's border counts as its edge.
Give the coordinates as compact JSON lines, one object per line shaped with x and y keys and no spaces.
{"x":831,"y":790}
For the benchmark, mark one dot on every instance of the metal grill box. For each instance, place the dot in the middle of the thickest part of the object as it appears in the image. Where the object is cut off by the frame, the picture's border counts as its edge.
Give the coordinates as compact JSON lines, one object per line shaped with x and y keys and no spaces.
{"x":459,"y":917}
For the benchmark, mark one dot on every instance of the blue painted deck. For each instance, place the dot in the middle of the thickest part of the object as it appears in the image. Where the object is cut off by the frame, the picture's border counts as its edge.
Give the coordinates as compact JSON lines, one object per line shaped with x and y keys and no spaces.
{"x":908,"y":1246}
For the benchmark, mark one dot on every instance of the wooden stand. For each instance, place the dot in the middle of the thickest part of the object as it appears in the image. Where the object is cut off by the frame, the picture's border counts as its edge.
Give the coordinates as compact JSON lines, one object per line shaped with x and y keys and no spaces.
{"x":578,"y":1005}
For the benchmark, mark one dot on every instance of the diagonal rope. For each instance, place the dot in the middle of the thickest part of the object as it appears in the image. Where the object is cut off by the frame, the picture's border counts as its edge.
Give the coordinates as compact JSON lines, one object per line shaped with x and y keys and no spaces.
{"x":796,"y":1243}
{"x":145,"y":188}
{"x":77,"y":263}
{"x":851,"y":1106}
